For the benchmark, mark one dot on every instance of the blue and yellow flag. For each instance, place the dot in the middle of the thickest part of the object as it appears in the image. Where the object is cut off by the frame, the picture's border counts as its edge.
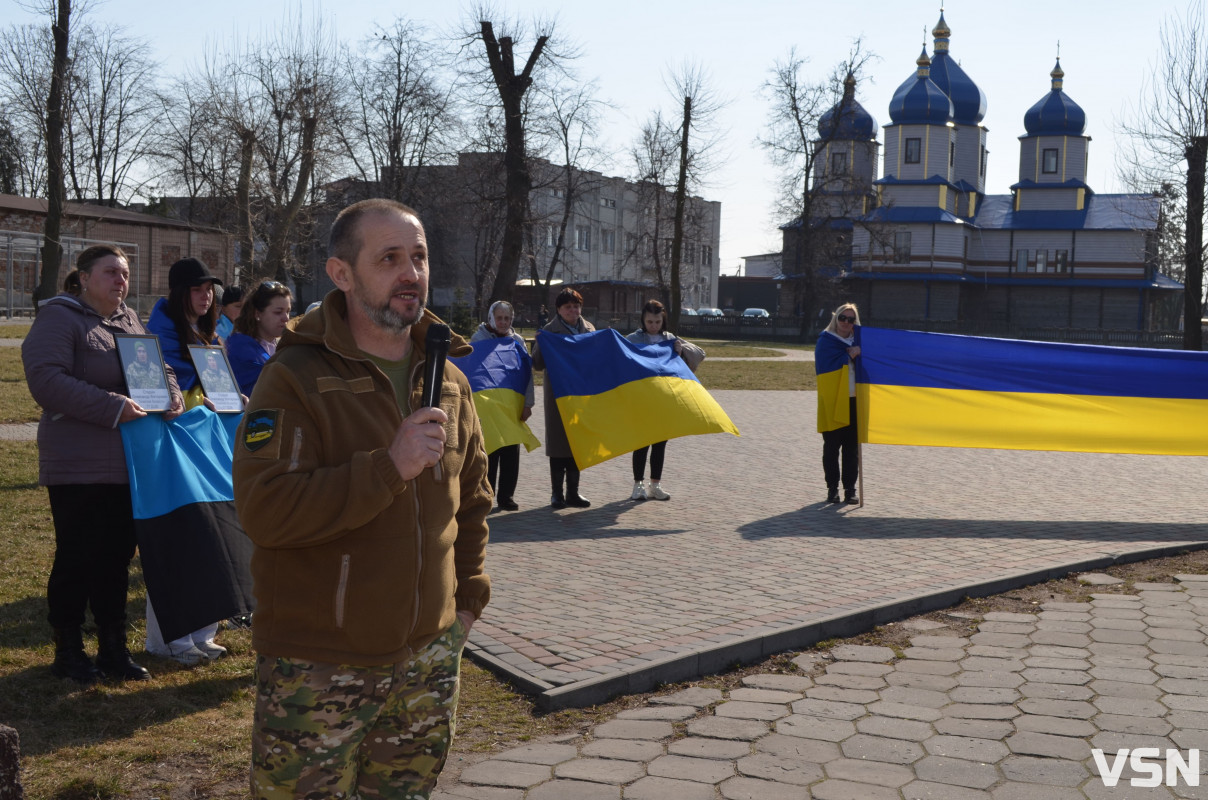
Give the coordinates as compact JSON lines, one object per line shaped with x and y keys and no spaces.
{"x":615,"y":396}
{"x":833,"y":366}
{"x":499,"y":371}
{"x":195,"y":556}
{"x":964,"y":391}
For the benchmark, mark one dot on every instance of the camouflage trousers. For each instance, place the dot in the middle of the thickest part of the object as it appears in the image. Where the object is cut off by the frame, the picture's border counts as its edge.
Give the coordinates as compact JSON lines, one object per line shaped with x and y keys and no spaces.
{"x":337,"y":731}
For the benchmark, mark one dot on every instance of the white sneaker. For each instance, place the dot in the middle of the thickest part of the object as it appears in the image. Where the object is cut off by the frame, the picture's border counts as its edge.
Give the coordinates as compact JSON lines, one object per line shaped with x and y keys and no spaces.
{"x":655,"y":492}
{"x":639,"y":491}
{"x":210,"y":649}
{"x":189,"y":656}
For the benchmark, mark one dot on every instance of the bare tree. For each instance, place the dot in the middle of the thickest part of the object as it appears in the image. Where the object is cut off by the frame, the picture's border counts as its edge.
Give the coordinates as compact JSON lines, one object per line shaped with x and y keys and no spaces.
{"x":511,"y":96}
{"x":812,"y":198}
{"x":1169,"y":129}
{"x":112,"y":103}
{"x":398,"y":115}
{"x":52,"y":246}
{"x":26,"y":63}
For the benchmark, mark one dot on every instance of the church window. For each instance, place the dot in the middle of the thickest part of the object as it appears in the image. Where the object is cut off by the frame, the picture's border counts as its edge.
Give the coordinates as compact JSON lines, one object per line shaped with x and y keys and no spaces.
{"x":1062,"y":260}
{"x":914,"y":151}
{"x":1050,"y":161}
{"x":1042,"y":260}
{"x":839,"y":163}
{"x":1021,"y":260}
{"x":901,"y":247}
{"x":952,"y":154}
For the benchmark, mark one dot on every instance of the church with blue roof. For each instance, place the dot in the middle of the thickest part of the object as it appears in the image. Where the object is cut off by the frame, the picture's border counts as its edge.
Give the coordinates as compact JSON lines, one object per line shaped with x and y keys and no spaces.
{"x":924,"y":242}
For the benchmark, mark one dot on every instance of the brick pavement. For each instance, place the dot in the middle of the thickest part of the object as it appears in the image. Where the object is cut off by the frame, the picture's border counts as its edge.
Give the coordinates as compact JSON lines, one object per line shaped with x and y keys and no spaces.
{"x":745,"y":560}
{"x":1013,"y":712}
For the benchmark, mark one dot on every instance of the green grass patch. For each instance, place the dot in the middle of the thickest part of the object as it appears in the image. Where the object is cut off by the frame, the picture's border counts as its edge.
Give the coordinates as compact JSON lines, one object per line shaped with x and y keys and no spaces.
{"x":794,"y":376}
{"x":17,"y":330}
{"x":16,"y":405}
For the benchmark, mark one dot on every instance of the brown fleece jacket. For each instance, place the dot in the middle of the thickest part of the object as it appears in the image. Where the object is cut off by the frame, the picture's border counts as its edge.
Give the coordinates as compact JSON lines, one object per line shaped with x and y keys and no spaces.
{"x":354,"y":565}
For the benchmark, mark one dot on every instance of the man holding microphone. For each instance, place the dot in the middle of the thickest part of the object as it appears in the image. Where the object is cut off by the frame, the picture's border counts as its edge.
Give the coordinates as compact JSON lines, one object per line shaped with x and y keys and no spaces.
{"x":369,"y":563}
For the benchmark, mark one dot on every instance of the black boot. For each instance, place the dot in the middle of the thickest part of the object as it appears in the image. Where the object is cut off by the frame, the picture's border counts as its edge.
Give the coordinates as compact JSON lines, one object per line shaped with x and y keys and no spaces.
{"x":832,"y":494}
{"x":557,"y":472}
{"x":573,"y":498}
{"x":70,"y":659}
{"x":849,"y":497}
{"x":113,"y":659}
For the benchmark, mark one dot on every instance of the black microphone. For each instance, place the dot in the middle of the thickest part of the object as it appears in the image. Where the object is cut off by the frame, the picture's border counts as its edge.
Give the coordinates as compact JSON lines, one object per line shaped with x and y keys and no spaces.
{"x":436,"y":343}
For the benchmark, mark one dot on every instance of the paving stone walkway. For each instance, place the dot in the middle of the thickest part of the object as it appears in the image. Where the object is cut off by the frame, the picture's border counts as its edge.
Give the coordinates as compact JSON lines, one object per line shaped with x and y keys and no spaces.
{"x":1013,"y":712}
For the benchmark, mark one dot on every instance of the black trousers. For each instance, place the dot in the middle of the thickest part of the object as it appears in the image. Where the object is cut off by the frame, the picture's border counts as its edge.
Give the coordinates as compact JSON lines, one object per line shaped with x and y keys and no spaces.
{"x":94,"y":543}
{"x":847,"y":441}
{"x":657,"y":451}
{"x":504,"y":463}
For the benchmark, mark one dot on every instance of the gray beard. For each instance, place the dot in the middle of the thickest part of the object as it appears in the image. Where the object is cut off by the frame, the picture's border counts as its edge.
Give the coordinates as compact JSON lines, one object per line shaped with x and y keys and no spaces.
{"x":390,"y":320}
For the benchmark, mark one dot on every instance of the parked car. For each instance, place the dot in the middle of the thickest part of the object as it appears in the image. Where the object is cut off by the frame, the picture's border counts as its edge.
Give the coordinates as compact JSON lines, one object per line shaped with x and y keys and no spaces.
{"x":710,"y":314}
{"x":688,"y":312}
{"x":757,"y":316}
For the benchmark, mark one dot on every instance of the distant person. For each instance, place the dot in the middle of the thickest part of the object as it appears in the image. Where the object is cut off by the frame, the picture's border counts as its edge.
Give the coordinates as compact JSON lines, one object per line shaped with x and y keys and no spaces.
{"x":568,"y":321}
{"x":254,"y":341}
{"x":187,"y":316}
{"x":503,"y":465}
{"x":654,"y":330}
{"x":71,"y":283}
{"x":74,"y":372}
{"x":232,"y":305}
{"x":837,"y":346}
{"x":542,"y":317}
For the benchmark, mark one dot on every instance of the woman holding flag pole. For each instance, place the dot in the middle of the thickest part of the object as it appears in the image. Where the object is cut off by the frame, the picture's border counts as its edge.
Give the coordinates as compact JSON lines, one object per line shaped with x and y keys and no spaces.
{"x":568,"y":321}
{"x":504,"y":462}
{"x":833,"y":358}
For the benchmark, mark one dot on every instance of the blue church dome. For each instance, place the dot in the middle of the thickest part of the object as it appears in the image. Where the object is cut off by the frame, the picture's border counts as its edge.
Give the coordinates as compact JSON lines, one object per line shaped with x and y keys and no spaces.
{"x":848,"y":119}
{"x":1055,"y":114}
{"x":919,"y":100}
{"x":968,"y":100}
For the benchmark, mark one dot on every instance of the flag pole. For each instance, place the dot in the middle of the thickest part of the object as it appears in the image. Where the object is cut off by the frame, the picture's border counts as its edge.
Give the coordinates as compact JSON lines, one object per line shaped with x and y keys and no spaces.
{"x":860,"y":470}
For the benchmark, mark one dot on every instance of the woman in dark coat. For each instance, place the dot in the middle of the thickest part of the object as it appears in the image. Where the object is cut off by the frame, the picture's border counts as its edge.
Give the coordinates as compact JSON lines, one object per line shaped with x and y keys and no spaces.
{"x":567,"y":321}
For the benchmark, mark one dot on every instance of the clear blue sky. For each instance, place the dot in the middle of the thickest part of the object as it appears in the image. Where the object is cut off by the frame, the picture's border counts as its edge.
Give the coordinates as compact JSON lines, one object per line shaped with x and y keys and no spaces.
{"x":1107,"y":48}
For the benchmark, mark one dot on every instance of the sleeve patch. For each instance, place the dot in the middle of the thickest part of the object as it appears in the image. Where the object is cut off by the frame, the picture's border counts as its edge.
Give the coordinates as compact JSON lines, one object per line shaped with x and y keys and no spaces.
{"x":260,"y":428}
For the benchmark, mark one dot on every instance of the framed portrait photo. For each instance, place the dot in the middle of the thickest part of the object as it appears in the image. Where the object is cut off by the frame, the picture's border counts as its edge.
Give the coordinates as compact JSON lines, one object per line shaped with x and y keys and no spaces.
{"x":143,"y":366}
{"x":217,"y":380}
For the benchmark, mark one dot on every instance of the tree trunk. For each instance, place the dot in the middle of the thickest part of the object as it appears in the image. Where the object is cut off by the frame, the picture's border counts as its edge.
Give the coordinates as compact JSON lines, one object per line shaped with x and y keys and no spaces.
{"x":1193,"y":286}
{"x":677,"y":237}
{"x":243,"y":203}
{"x":52,"y":245}
{"x":276,"y":261}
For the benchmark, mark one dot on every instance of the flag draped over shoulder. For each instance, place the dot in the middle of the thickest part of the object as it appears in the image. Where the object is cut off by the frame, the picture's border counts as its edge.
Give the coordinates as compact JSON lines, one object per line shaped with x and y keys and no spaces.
{"x":964,"y":391}
{"x":499,"y":371}
{"x":194,"y":553}
{"x":834,"y":388}
{"x":615,"y":396}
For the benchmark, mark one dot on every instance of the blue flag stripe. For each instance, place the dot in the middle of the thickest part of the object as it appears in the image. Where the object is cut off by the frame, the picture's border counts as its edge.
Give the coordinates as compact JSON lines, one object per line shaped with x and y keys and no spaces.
{"x":500,"y":363}
{"x":945,"y":361}
{"x":612,"y":359}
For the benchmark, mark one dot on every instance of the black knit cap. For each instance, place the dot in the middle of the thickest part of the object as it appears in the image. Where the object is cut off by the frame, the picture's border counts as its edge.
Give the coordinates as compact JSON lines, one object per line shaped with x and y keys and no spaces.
{"x":190,"y":272}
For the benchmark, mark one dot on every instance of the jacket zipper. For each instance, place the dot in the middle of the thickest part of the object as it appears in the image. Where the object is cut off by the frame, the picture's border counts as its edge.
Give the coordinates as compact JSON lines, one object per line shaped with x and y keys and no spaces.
{"x":342,"y":588}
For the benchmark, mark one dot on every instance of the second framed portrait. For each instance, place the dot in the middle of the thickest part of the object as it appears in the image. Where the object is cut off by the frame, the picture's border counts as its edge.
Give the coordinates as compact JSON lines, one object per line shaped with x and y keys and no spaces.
{"x":217,"y":380}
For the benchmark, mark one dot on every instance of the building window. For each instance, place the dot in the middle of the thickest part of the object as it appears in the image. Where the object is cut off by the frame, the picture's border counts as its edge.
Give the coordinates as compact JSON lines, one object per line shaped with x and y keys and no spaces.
{"x":983,"y":161}
{"x":1050,"y":161}
{"x":583,"y":238}
{"x":1021,"y":260}
{"x":706,"y":255}
{"x":952,"y":154}
{"x":839,"y":163}
{"x":608,"y":202}
{"x":551,"y":235}
{"x":631,"y":244}
{"x":689,"y":254}
{"x":1042,"y":260}
{"x":914,"y":151}
{"x":608,"y":240}
{"x":901,"y":247}
{"x":558,"y":192}
{"x":1062,"y":260}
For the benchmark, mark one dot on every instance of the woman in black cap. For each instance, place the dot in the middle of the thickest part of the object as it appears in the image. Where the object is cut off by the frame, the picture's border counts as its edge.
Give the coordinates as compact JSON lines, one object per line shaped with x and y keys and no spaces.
{"x":188,"y":316}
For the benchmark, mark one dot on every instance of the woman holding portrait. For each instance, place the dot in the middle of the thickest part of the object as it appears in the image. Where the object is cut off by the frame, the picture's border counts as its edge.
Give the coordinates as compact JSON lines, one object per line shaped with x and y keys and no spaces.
{"x":74,"y":372}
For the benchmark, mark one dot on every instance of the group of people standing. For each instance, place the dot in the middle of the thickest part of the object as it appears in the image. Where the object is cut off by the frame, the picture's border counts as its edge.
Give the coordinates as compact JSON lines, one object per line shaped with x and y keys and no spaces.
{"x":75,"y":374}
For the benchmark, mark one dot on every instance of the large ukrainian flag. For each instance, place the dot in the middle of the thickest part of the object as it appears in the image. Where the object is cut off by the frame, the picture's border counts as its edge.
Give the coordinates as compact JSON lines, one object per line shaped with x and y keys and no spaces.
{"x":196,"y":558}
{"x":615,"y":396}
{"x":833,"y":366}
{"x":964,"y":391}
{"x":499,"y":371}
